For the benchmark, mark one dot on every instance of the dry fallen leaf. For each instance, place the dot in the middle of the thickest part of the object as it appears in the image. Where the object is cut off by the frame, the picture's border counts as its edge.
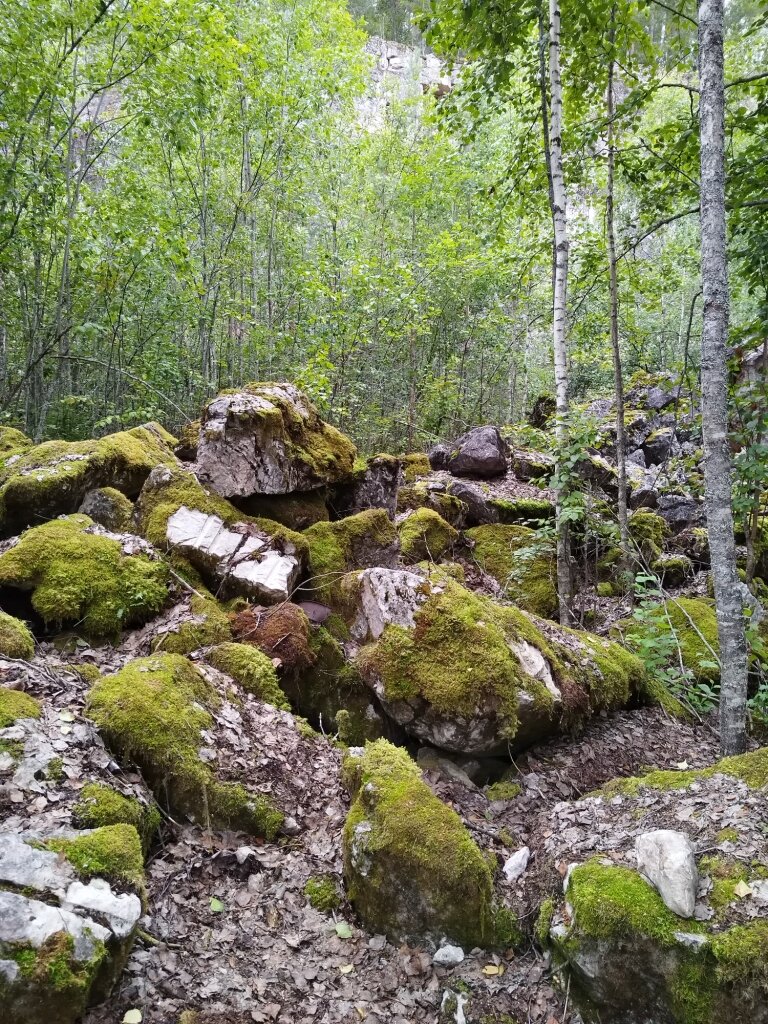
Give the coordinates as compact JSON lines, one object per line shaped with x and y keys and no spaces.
{"x":741,"y":889}
{"x":347,"y":968}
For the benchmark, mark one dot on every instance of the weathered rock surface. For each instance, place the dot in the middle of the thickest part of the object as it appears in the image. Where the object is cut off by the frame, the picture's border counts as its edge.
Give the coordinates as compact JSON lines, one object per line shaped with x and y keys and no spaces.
{"x":374,"y":486}
{"x":62,"y":942}
{"x":479,"y":509}
{"x":481,"y":452}
{"x":666,"y":858}
{"x":240,"y":559}
{"x":269,"y":439}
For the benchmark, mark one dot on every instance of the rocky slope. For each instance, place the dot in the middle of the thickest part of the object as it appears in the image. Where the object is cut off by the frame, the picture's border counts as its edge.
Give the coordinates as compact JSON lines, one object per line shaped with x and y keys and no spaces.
{"x":285,"y":734}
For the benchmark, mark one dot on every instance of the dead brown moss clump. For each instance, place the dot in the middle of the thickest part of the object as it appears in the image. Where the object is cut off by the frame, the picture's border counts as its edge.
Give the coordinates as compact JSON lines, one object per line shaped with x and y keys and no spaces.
{"x":280,"y":632}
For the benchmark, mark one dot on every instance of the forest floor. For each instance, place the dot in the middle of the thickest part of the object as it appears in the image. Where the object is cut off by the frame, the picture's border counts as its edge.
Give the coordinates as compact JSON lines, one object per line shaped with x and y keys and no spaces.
{"x":268,"y":956}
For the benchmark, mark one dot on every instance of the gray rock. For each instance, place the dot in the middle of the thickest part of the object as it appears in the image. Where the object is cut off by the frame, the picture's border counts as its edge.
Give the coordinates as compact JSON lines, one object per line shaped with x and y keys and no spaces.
{"x":479,"y":510}
{"x":387,"y":597}
{"x":516,"y":865}
{"x":106,"y":509}
{"x":659,"y":398}
{"x":439,"y":456}
{"x":658,"y":446}
{"x":680,"y":511}
{"x":480,"y":452}
{"x":448,"y":956}
{"x":529,"y":466}
{"x":375,"y":487}
{"x":667,"y":859}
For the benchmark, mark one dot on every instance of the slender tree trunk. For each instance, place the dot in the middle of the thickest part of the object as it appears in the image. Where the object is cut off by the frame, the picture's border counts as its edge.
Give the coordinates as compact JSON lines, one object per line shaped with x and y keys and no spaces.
{"x":621,"y":437}
{"x":560,"y":222}
{"x":717,"y":455}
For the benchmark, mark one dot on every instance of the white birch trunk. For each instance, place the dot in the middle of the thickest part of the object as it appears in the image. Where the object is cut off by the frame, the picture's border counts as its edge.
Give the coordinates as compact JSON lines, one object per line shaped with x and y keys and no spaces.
{"x":560,"y":223}
{"x":717,"y":454}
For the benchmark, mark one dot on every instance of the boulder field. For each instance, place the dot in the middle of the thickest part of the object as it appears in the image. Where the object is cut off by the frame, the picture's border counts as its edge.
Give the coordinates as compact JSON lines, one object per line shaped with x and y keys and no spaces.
{"x":334,"y":664}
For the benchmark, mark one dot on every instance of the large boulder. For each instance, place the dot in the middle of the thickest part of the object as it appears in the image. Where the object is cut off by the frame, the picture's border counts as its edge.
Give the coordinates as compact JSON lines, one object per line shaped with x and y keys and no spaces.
{"x":269,"y":439}
{"x":529,"y":465}
{"x":433,"y":495}
{"x":459,"y":672}
{"x":639,"y":949}
{"x":480,"y":507}
{"x":66,"y":922}
{"x":53,"y":478}
{"x":424,"y":534}
{"x":482,"y":452}
{"x":77,"y":573}
{"x":357,"y":542}
{"x":681,"y":511}
{"x":413,"y":871}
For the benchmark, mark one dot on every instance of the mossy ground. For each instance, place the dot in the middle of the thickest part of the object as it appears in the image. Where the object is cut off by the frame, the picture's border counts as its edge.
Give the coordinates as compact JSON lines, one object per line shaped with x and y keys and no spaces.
{"x":424,"y":873}
{"x":84,"y":579}
{"x":113,"y":852}
{"x":15,"y":704}
{"x":751,"y":768}
{"x":519,"y":562}
{"x":99,"y":805}
{"x":424,"y":534}
{"x":152,"y":712}
{"x":522,"y":511}
{"x":251,"y":669}
{"x":16,"y":640}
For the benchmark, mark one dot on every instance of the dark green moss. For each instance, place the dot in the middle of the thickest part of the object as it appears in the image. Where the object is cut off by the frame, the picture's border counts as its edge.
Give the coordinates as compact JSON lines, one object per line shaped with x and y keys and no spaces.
{"x":322,"y":893}
{"x":424,"y":534}
{"x":516,"y":559}
{"x":339,"y":547}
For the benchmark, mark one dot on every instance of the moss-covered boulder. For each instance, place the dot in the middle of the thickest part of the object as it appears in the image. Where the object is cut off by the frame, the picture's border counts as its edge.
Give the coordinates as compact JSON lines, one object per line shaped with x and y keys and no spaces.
{"x":235,"y":554}
{"x":422,"y":494}
{"x":68,"y":916}
{"x":156,"y":712}
{"x":77,"y":573}
{"x":109,"y":508}
{"x":424,"y":534}
{"x":269,"y":439}
{"x":415,"y":464}
{"x":647,"y":530}
{"x":460,"y":672}
{"x":673,"y":570}
{"x":523,"y":511}
{"x":692,"y":624}
{"x":530,"y":465}
{"x":357,"y":542}
{"x":53,"y":478}
{"x":99,"y":805}
{"x":520,"y":563}
{"x":412,"y":870}
{"x":16,"y":640}
{"x":15,"y":704}
{"x":195,"y":620}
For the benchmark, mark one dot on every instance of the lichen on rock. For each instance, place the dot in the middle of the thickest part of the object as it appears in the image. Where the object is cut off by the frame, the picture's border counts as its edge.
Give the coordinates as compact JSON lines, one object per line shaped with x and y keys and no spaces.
{"x":78,"y":573}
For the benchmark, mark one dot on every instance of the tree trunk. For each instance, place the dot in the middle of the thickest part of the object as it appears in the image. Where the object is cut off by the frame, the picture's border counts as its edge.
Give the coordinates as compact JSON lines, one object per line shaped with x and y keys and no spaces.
{"x":717,"y":455}
{"x":621,"y":437}
{"x":559,"y":220}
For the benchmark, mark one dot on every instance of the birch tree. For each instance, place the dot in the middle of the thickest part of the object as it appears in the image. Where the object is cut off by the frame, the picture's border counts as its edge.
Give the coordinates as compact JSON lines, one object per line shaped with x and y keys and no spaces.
{"x":717,"y":455}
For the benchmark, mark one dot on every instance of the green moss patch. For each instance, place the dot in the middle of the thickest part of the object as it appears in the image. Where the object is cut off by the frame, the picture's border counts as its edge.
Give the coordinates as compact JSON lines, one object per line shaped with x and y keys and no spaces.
{"x":322,"y":892}
{"x":648,"y":530}
{"x":99,"y":805}
{"x":412,"y":869}
{"x":83,"y":578}
{"x":15,"y":704}
{"x":519,"y":563}
{"x":251,"y":669}
{"x":419,"y":495}
{"x":357,"y":542}
{"x":415,"y":465}
{"x":153,"y":712}
{"x":16,"y":640}
{"x":425,"y":534}
{"x":522,"y":511}
{"x":113,"y":852}
{"x":610,"y":902}
{"x":208,"y":626}
{"x":751,"y":768}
